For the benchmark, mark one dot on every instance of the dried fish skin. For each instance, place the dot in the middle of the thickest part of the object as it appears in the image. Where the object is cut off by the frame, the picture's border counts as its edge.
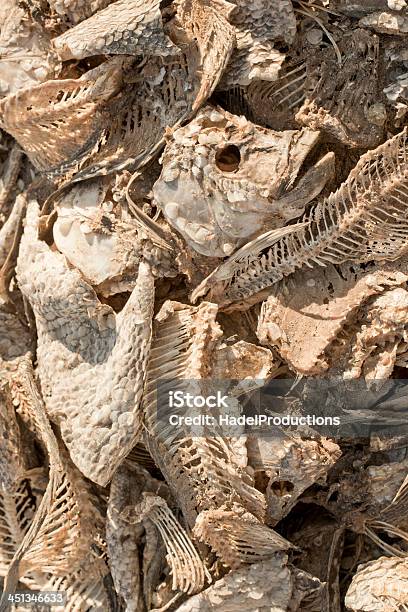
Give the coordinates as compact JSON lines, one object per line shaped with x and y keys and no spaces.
{"x":124,"y":27}
{"x":124,"y":538}
{"x":67,"y":521}
{"x":379,"y":585}
{"x":270,"y":581}
{"x":135,"y":506}
{"x":236,"y":360}
{"x":15,"y":337}
{"x":26,"y":58}
{"x":364,"y":220}
{"x":237,"y":537}
{"x":80,"y":343}
{"x":77,"y":10}
{"x":291,"y":465}
{"x":374,"y":351}
{"x":71,"y":106}
{"x":305,"y":314}
{"x":208,"y":23}
{"x":12,"y":465}
{"x":271,"y":190}
{"x":258,"y":25}
{"x":387,"y":22}
{"x":167,"y":91}
{"x":259,"y":587}
{"x":9,"y":229}
{"x":243,"y":178}
{"x":113,"y":120}
{"x":9,"y":175}
{"x":96,"y":237}
{"x":360,"y":8}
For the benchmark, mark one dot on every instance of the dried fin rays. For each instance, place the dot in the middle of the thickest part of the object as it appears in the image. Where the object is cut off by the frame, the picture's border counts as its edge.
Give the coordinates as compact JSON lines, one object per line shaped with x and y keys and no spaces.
{"x":207,"y":22}
{"x":364,"y":220}
{"x":203,"y":213}
{"x":60,"y":510}
{"x":131,"y":512}
{"x":202,"y":470}
{"x":75,"y":106}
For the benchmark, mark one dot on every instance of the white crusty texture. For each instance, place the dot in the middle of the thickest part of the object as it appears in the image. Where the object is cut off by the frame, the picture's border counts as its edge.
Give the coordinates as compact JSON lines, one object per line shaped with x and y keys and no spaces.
{"x":24,"y":50}
{"x":306,"y":316}
{"x":127,"y":27}
{"x":261,"y":587}
{"x":258,"y":25}
{"x":77,"y":10}
{"x":291,"y":466}
{"x":384,"y":327}
{"x":241,"y":177}
{"x":366,"y":219}
{"x":91,"y":362}
{"x":97,"y":237}
{"x":379,"y":586}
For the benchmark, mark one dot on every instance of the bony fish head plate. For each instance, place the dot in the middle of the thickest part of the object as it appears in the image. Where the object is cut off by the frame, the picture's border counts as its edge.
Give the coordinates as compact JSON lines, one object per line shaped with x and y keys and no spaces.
{"x":223,"y":178}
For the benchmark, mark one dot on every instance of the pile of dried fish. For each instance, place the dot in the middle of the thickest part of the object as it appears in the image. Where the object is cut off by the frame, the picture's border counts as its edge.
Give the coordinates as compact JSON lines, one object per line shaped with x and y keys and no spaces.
{"x":200,"y":191}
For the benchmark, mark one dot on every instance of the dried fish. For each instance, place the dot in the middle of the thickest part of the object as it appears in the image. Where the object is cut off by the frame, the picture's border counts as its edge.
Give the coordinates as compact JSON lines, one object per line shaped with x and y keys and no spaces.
{"x":122,"y":28}
{"x":307,"y":317}
{"x":379,"y":585}
{"x":257,"y":26}
{"x":152,"y":454}
{"x":76,"y":10}
{"x":64,"y":507}
{"x":26,"y":58}
{"x":89,"y":340}
{"x":243,"y":178}
{"x":364,"y":220}
{"x":268,"y":584}
{"x":355,"y":116}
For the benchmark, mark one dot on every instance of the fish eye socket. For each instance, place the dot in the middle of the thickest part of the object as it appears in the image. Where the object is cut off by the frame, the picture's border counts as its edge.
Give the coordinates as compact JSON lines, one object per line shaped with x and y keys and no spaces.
{"x":228,"y":158}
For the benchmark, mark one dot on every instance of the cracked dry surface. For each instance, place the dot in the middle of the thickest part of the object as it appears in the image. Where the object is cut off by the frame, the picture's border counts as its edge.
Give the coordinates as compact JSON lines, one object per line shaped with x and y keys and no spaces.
{"x":200,"y":195}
